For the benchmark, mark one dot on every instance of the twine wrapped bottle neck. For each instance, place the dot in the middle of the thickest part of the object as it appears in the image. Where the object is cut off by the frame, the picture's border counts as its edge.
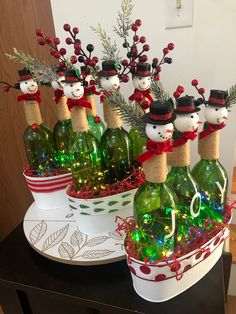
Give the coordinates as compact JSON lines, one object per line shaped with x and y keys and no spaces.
{"x":155,"y":169}
{"x":208,"y":147}
{"x":111,"y":117}
{"x":63,"y":112}
{"x":32,"y":112}
{"x":79,"y":119}
{"x":93,"y":110}
{"x":180,"y":157}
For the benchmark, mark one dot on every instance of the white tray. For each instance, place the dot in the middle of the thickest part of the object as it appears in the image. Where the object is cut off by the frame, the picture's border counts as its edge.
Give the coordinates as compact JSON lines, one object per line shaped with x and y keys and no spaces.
{"x":55,"y":235}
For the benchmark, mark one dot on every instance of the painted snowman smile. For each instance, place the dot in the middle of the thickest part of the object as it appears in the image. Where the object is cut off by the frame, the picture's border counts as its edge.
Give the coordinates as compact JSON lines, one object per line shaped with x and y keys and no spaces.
{"x":32,"y":90}
{"x":77,"y":95}
{"x":142,"y":88}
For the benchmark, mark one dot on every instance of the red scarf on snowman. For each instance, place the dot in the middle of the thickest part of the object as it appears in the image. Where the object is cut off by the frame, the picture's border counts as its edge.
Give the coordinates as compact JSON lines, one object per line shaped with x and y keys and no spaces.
{"x":34,"y":96}
{"x":188,"y":135}
{"x":81,"y":102}
{"x":154,"y":148}
{"x":210,"y":129}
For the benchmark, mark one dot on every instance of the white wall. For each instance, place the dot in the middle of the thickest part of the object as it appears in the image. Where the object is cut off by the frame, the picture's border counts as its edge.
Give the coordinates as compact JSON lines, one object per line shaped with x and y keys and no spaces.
{"x":206,"y":51}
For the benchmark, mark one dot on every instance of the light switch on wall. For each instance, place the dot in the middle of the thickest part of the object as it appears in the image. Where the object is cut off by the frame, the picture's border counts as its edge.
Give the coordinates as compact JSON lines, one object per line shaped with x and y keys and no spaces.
{"x":178,"y":13}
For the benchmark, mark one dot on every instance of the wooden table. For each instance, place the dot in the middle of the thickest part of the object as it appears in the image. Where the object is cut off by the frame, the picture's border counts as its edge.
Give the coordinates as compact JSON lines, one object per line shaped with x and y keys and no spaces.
{"x":30,"y":283}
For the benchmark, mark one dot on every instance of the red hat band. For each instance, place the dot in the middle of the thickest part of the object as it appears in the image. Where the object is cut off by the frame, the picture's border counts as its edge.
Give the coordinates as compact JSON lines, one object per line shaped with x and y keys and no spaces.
{"x":71,"y":79}
{"x":183,"y":108}
{"x":159,"y":117}
{"x":146,"y":73}
{"x":216,"y":101}
{"x":111,"y":72}
{"x":25,"y":77}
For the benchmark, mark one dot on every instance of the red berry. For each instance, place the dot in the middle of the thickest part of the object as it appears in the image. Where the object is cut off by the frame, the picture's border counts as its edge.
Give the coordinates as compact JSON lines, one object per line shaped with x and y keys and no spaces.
{"x":155,"y":61}
{"x":39,"y":32}
{"x":125,"y":62}
{"x":135,"y":27}
{"x":143,"y":58}
{"x":34,"y":126}
{"x":62,"y":51}
{"x":75,"y":30}
{"x":158,"y":68}
{"x":48,"y":40}
{"x":92,"y":63}
{"x":165,"y":51}
{"x":77,"y":45}
{"x":138,"y":22}
{"x":133,"y":64}
{"x":97,"y":119}
{"x":56,"y":41}
{"x":145,"y":104}
{"x":77,"y":52}
{"x":57,"y":55}
{"x":201,"y":90}
{"x":171,"y":46}
{"x":176,"y":94}
{"x":73,"y":59}
{"x":156,"y":77}
{"x":66,"y":27}
{"x":62,"y":64}
{"x":142,"y":39}
{"x":146,"y":47}
{"x":41,"y":41}
{"x":125,"y":78}
{"x":52,"y":52}
{"x":135,"y":38}
{"x":86,"y":61}
{"x":180,"y":89}
{"x":68,"y":41}
{"x":194,"y":82}
{"x":91,"y":82}
{"x":95,"y":59}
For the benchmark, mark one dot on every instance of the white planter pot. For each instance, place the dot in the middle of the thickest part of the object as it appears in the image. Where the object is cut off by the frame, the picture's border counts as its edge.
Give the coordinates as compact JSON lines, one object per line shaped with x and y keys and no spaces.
{"x":98,"y":214}
{"x":49,"y":192}
{"x":158,"y":283}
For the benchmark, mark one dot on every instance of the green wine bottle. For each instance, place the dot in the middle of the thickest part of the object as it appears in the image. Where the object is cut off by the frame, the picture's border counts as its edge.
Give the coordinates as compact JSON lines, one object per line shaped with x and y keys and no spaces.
{"x":137,"y":142}
{"x":155,"y":203}
{"x":62,"y":133}
{"x":96,"y":125}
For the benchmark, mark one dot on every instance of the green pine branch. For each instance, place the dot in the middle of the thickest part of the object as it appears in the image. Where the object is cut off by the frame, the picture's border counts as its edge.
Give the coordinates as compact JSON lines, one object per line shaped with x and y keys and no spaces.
{"x":159,"y":92}
{"x":110,"y":49}
{"x":40,"y":72}
{"x":124,"y":21}
{"x":231,"y":99}
{"x":128,"y":111}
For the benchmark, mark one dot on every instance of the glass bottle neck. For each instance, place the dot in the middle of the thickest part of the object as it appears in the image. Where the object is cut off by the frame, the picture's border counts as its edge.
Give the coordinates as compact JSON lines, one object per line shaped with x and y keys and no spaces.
{"x":180,"y":170}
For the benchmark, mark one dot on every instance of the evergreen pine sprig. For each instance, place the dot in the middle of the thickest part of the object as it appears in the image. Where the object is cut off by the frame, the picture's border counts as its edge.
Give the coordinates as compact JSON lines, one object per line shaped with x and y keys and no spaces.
{"x":158,"y":91}
{"x":124,"y":21}
{"x":40,"y":72}
{"x":231,"y":99}
{"x":110,"y":49}
{"x":128,"y":111}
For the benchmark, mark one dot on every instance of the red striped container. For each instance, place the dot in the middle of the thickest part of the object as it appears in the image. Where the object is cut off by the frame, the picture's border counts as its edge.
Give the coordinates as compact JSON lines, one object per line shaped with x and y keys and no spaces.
{"x":49,"y":192}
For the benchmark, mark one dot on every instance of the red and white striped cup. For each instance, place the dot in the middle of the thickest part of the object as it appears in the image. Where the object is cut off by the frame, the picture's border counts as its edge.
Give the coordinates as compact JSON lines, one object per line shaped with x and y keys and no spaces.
{"x":49,"y":192}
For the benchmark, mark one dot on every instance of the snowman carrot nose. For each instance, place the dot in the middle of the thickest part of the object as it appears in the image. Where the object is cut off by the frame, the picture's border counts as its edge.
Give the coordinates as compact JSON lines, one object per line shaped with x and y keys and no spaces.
{"x":169,"y":131}
{"x":199,"y":122}
{"x":224,"y":117}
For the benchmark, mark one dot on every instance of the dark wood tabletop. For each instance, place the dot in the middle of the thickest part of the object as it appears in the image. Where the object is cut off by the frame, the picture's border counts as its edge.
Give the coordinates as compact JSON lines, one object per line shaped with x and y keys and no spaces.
{"x":30,"y":283}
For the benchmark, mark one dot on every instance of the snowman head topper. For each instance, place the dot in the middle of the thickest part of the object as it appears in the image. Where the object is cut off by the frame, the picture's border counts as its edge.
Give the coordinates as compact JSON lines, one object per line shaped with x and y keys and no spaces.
{"x":187,"y":118}
{"x":109,"y":78}
{"x":142,"y":76}
{"x":216,"y":108}
{"x":58,"y":83}
{"x":73,"y":87}
{"x":27,"y":84}
{"x":159,"y":126}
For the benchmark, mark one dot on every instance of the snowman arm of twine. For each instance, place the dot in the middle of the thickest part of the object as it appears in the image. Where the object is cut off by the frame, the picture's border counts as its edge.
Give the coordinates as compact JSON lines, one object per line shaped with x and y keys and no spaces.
{"x":172,"y":224}
{"x":128,"y":111}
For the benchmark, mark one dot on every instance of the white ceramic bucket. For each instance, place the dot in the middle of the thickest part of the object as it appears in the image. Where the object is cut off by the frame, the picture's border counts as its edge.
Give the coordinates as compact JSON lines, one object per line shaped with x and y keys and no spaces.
{"x":49,"y":192}
{"x":158,"y":282}
{"x":99,"y":214}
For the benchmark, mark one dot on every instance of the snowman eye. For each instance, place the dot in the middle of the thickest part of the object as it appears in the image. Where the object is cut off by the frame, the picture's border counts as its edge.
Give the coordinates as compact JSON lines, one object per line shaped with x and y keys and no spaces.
{"x":140,"y":78}
{"x":192,"y":117}
{"x":197,"y":113}
{"x":71,"y":85}
{"x":154,"y":127}
{"x":26,"y":83}
{"x":107,"y":78}
{"x":216,"y":109}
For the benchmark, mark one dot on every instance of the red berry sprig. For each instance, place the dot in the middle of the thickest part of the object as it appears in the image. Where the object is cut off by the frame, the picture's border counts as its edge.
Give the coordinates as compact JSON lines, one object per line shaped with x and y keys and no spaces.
{"x":156,"y":64}
{"x":55,"y":51}
{"x":79,"y":53}
{"x":201,"y":90}
{"x":179,"y":90}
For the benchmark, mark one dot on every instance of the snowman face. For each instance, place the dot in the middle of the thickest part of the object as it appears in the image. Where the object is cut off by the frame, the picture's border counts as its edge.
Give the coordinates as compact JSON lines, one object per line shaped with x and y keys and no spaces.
{"x":109,"y":82}
{"x":186,"y":122}
{"x":159,"y":133}
{"x":216,"y":115}
{"x":74,"y":90}
{"x":88,"y":78}
{"x":58,"y":84}
{"x":28,"y":86}
{"x":142,"y":83}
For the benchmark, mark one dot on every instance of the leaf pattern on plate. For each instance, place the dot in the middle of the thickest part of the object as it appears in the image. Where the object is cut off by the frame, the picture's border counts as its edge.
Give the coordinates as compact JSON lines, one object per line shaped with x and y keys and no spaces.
{"x":96,"y":240}
{"x":55,"y":238}
{"x":94,"y":254}
{"x":126,"y":195}
{"x":66,"y":250}
{"x":116,"y":235}
{"x":112,"y":203}
{"x":38,"y":232}
{"x":126,"y":203}
{"x":77,"y":238}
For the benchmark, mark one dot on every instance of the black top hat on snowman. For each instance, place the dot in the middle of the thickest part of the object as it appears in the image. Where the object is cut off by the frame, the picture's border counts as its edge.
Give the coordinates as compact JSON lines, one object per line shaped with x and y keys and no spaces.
{"x":24,"y":75}
{"x":109,"y":68}
{"x":217,"y":98}
{"x":185,"y":105}
{"x":72,"y":76}
{"x":161,"y":113}
{"x":143,"y":69}
{"x":59,"y":71}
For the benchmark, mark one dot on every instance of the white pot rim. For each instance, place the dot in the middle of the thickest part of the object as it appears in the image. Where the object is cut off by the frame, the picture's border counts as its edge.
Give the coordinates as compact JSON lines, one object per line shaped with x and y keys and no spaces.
{"x":32,"y":178}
